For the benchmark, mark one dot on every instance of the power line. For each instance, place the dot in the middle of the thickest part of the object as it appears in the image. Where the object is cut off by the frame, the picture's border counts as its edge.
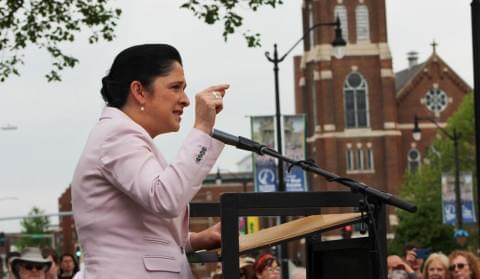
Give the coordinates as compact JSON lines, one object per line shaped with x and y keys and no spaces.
{"x":64,"y":213}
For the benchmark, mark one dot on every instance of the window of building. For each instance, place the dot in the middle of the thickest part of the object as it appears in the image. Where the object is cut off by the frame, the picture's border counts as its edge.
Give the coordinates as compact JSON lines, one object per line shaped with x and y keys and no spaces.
{"x":413,"y":160}
{"x":355,"y":91}
{"x":314,"y":103}
{"x":436,"y":100}
{"x":341,"y":13}
{"x":363,"y":26}
{"x":359,"y":159}
{"x":350,"y":165}
{"x":370,"y":159}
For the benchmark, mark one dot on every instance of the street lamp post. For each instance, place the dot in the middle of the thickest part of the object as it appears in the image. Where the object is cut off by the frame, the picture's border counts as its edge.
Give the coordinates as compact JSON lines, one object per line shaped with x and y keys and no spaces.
{"x":417,"y":133}
{"x":338,"y":45}
{"x":475,"y":8}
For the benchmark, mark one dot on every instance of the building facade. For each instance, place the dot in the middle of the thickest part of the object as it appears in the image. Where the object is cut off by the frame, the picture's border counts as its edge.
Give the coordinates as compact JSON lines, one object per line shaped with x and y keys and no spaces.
{"x":360,"y":113}
{"x":68,"y":233}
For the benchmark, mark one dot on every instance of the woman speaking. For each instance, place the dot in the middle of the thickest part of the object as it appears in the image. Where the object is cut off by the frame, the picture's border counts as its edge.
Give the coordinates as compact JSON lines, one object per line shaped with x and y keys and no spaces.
{"x":131,"y":206}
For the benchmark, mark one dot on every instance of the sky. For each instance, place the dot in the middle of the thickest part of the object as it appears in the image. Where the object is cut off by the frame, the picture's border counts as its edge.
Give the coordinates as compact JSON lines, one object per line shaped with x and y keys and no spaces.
{"x":53,"y":119}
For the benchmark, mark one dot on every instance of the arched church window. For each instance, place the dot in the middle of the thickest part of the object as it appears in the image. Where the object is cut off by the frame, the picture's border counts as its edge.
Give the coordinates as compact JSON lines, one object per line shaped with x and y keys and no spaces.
{"x":363,"y":26}
{"x":355,"y":91}
{"x":341,"y":13}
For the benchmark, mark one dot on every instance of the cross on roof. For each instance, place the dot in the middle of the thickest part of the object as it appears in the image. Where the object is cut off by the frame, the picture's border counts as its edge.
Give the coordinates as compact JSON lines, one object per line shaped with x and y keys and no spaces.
{"x":434,"y":46}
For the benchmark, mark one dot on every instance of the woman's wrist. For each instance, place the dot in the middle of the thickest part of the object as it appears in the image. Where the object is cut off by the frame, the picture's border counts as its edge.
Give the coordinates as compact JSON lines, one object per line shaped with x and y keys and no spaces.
{"x":203,"y":128}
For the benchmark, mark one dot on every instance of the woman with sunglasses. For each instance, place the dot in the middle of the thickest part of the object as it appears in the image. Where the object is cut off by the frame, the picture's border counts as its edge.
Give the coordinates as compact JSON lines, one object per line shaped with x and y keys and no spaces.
{"x":463,"y":265}
{"x":436,"y":267}
{"x":30,"y":265}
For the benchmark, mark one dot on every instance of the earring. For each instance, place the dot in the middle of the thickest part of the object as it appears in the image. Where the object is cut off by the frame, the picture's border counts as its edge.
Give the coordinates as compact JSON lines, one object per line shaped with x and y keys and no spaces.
{"x":142,"y":108}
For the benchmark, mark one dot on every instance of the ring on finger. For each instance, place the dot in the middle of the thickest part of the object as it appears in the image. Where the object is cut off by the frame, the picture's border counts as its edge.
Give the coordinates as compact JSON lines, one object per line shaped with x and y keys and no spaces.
{"x":216,"y":95}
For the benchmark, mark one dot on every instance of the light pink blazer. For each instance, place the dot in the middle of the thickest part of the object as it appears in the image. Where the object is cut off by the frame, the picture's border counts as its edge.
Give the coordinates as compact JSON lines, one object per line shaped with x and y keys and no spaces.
{"x":130,"y":206}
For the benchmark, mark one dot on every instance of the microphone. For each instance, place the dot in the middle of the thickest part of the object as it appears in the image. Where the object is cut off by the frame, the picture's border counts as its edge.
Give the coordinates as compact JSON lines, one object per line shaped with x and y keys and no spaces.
{"x":238,"y":142}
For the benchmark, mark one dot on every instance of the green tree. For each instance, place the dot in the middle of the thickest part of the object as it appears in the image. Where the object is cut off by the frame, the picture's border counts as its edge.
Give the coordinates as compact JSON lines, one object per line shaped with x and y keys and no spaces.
{"x":49,"y":24}
{"x":226,"y":12}
{"x":35,"y":230}
{"x":425,"y":227}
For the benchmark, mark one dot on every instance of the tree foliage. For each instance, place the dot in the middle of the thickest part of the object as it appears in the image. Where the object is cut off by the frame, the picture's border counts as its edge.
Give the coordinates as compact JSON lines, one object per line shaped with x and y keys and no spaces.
{"x":226,"y":12}
{"x":35,"y":230}
{"x":47,"y":24}
{"x":425,"y":227}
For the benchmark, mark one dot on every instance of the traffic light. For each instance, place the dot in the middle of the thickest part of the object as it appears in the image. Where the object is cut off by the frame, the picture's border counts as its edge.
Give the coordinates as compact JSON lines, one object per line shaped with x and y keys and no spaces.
{"x":3,"y":239}
{"x":78,"y":252}
{"x":347,"y":231}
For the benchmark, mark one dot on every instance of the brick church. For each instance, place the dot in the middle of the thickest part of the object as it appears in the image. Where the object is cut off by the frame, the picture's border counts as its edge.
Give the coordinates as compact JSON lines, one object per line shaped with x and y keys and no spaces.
{"x":360,"y":113}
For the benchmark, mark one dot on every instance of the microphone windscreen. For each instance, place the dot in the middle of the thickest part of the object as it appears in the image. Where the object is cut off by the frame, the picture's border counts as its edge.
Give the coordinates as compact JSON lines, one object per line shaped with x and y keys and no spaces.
{"x":225,"y":137}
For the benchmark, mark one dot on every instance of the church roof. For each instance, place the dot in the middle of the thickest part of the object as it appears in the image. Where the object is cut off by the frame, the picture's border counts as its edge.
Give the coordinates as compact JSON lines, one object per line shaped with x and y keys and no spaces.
{"x":407,"y":76}
{"x":402,"y":77}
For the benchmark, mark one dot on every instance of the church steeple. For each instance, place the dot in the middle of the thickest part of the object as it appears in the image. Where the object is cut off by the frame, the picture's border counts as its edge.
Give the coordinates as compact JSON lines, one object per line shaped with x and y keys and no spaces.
{"x":350,"y":102}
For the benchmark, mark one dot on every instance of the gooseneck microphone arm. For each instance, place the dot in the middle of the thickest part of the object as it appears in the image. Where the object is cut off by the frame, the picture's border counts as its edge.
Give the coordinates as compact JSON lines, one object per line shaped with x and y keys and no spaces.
{"x":241,"y":142}
{"x":250,"y":145}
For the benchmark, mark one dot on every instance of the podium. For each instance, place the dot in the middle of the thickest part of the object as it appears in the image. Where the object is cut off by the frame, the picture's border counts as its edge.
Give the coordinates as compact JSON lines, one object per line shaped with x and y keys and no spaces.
{"x":309,"y":204}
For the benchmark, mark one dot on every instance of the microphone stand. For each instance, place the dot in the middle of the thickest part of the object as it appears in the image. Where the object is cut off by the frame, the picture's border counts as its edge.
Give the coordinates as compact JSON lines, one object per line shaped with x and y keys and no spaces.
{"x":355,"y":186}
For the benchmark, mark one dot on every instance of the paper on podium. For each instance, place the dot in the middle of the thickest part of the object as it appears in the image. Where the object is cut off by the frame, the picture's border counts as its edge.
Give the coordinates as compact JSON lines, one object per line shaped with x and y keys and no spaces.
{"x":294,"y":229}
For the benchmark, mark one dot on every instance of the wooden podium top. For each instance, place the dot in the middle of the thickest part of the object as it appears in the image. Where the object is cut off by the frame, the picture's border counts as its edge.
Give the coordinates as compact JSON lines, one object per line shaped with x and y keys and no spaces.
{"x":294,"y":229}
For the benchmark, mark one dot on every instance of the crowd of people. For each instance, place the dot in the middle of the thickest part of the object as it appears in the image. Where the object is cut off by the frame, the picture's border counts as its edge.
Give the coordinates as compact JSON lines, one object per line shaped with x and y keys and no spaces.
{"x":33,"y":262}
{"x":266,"y":266}
{"x":38,"y":263}
{"x":459,"y":264}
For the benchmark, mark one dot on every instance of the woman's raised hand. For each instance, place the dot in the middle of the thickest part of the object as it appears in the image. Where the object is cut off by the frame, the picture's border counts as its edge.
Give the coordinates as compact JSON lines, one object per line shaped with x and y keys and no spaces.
{"x":208,"y":103}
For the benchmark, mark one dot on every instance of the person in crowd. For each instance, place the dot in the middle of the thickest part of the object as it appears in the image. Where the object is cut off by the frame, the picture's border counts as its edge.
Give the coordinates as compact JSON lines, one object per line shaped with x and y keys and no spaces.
{"x":217,"y":274}
{"x":411,"y":258}
{"x":68,"y":266}
{"x":50,"y":254}
{"x":299,"y":273}
{"x":8,"y":261}
{"x":267,"y":267}
{"x":30,"y":264}
{"x":247,"y":270}
{"x":436,"y":267}
{"x":461,"y":238}
{"x":131,"y":206}
{"x":463,"y":265}
{"x":398,"y":268}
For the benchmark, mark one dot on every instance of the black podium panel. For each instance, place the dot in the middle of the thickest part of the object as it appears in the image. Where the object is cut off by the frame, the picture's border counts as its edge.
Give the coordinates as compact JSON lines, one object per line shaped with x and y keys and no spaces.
{"x":340,"y":259}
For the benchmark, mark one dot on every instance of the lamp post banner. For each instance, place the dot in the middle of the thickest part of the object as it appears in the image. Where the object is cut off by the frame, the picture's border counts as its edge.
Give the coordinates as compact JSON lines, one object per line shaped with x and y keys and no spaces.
{"x":294,"y":140}
{"x":264,"y":167}
{"x":448,"y":198}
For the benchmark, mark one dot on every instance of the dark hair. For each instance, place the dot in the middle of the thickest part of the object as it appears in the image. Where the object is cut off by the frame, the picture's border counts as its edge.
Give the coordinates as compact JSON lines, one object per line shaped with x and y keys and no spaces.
{"x":408,"y":247}
{"x":143,"y":63}
{"x":47,"y":251}
{"x":75,"y":264}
